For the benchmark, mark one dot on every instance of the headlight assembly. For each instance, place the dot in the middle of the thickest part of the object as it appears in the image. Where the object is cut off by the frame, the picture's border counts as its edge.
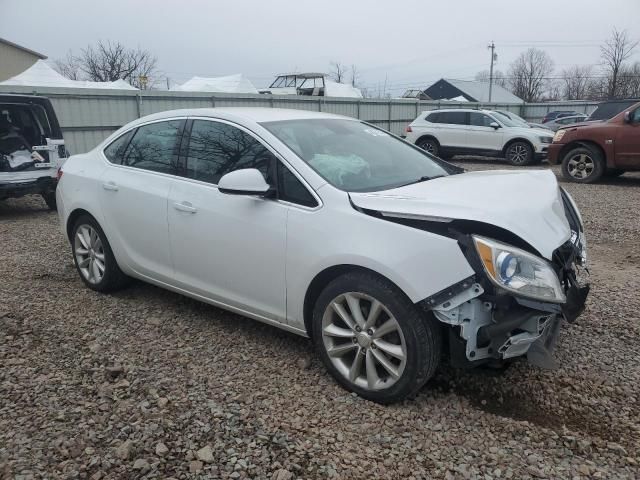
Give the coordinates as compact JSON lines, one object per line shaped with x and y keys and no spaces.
{"x":519,"y":272}
{"x":558,"y":136}
{"x":546,"y":139}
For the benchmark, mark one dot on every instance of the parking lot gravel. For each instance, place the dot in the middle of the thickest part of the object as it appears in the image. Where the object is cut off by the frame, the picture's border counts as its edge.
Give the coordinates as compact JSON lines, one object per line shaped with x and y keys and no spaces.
{"x":146,"y":383}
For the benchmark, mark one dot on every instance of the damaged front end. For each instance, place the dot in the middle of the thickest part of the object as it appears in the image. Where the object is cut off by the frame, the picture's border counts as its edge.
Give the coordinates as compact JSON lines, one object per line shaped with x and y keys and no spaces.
{"x":517,"y":301}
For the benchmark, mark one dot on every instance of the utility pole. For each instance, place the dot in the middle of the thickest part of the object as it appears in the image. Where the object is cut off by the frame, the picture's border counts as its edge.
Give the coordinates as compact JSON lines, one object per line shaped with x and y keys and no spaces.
{"x":494,"y":56}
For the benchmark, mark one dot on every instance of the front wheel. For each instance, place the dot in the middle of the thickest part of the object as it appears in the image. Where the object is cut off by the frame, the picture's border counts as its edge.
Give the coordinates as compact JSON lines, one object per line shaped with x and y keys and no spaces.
{"x":583,"y":165}
{"x":520,"y":154}
{"x":373,"y":340}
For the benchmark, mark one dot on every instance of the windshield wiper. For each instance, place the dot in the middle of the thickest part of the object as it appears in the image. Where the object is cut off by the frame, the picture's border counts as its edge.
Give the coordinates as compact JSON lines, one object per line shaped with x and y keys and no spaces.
{"x":422,"y":179}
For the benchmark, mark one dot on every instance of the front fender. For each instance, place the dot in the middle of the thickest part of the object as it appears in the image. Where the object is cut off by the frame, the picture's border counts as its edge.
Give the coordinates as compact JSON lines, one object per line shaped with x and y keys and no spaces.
{"x":420,"y":263}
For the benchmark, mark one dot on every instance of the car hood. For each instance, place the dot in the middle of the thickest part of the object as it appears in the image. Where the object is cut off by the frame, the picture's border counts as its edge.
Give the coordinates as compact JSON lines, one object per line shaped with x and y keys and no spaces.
{"x":526,"y":203}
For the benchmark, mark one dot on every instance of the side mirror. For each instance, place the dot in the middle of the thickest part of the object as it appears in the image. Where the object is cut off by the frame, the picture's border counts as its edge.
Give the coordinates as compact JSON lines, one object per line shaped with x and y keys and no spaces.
{"x":495,"y":125}
{"x":627,"y":117}
{"x":247,"y":181}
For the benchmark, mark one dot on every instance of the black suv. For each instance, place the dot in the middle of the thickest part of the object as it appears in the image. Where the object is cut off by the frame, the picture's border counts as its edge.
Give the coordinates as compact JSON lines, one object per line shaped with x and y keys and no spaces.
{"x":31,"y":147}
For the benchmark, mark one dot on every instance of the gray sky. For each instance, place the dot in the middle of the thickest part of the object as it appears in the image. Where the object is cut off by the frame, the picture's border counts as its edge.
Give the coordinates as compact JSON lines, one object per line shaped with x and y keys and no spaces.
{"x":411,"y":42}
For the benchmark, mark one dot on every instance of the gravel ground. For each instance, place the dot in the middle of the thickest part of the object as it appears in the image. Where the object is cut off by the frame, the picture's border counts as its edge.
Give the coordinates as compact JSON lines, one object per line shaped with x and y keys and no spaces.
{"x":146,"y":383}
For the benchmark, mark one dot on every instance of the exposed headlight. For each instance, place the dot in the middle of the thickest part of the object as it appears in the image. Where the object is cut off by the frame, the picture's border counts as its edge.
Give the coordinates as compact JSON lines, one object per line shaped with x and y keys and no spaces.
{"x":546,"y":139}
{"x":518,"y":271}
{"x":558,"y":136}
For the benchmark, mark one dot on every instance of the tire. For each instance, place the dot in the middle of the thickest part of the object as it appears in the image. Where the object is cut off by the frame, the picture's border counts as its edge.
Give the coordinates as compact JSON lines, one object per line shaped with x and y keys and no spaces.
{"x":613,"y":172}
{"x":50,"y":199}
{"x":519,"y":154}
{"x":583,"y":165}
{"x":90,"y":248}
{"x":348,"y":345}
{"x":429,"y":145}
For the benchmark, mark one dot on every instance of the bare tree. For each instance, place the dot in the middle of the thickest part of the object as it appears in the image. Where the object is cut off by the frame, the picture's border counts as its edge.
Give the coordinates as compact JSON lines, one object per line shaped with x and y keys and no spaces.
{"x":355,"y":75}
{"x":615,"y":51}
{"x":338,"y":72}
{"x":107,"y":62}
{"x":68,"y":67}
{"x":499,"y":78}
{"x":528,"y":74}
{"x":629,"y":81}
{"x":576,"y":82}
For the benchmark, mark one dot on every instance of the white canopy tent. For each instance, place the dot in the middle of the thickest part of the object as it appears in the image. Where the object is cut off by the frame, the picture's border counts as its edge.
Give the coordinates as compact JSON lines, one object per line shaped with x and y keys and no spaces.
{"x":229,"y":84}
{"x":40,"y":74}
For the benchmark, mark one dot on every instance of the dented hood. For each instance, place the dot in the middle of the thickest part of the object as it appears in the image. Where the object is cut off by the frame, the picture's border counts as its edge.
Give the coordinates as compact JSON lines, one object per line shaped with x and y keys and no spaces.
{"x":525,"y":202}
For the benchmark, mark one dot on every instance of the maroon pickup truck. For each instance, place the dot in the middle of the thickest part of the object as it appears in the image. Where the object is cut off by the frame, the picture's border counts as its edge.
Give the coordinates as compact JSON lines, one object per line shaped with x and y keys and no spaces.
{"x":588,"y":151}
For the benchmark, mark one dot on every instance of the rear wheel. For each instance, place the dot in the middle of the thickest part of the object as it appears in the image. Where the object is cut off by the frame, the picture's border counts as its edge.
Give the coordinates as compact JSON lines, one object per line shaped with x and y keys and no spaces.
{"x":93,"y":257}
{"x":429,"y":145}
{"x":583,"y":165}
{"x":50,"y":199}
{"x":373,"y":340}
{"x":519,"y":154}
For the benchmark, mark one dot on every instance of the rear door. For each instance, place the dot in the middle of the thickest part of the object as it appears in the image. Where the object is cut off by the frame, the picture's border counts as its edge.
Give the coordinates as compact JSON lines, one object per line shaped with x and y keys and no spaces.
{"x":628,"y":143}
{"x":452,"y":129}
{"x":481,"y":136}
{"x":134,"y":190}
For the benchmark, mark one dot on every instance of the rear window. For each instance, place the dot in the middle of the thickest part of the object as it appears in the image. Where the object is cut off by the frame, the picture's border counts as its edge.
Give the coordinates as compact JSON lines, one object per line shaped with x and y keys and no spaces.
{"x":453,"y":118}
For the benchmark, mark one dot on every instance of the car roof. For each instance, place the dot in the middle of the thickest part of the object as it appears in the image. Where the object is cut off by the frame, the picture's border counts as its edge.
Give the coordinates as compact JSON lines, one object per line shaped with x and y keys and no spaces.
{"x":251,"y":114}
{"x":458,"y":110}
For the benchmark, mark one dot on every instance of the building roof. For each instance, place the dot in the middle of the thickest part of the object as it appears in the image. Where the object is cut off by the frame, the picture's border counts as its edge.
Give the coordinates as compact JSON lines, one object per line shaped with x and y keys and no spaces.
{"x":24,"y":49}
{"x":479,"y":91}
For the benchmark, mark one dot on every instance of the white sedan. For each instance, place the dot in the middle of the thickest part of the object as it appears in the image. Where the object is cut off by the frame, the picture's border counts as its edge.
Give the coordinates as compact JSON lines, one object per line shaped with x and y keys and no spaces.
{"x":333,"y":229}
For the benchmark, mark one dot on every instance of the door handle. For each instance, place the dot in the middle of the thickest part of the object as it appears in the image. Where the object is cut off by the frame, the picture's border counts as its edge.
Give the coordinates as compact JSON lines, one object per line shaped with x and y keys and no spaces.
{"x":110,"y":186}
{"x":185,"y":207}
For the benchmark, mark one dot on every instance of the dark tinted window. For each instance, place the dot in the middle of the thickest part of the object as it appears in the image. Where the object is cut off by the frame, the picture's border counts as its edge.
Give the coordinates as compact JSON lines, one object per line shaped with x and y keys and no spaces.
{"x":153,"y":147}
{"x":433,"y":118}
{"x":453,"y":118}
{"x":292,"y":190}
{"x":635,"y":116}
{"x":115,"y":151}
{"x":217,"y":148}
{"x":480,"y":119}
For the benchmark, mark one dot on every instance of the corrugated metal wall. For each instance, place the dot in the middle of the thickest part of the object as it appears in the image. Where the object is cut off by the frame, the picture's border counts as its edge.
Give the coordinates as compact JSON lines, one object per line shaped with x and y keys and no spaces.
{"x":88,"y":116}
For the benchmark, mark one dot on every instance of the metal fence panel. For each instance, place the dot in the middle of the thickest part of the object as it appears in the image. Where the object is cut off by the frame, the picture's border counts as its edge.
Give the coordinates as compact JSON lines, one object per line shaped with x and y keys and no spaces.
{"x":87,"y":116}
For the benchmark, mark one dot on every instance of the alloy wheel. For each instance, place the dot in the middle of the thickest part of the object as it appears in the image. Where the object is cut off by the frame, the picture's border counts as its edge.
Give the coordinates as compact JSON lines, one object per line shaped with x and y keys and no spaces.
{"x":580,"y":166}
{"x":364,"y":341}
{"x":429,"y":147}
{"x":89,"y":252}
{"x":518,"y":154}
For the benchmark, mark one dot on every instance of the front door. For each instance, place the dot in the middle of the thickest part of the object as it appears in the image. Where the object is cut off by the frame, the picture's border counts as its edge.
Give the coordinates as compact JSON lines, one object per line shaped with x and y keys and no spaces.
{"x":228,"y":248}
{"x":134,"y":191}
{"x":627,"y":143}
{"x":481,"y":136}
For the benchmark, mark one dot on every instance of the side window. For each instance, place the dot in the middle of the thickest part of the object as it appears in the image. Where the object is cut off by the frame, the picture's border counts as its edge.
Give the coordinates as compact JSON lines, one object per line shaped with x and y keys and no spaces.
{"x":217,"y":148}
{"x":635,"y":116}
{"x":154,"y":147}
{"x":453,"y":118}
{"x":479,"y":119}
{"x":433,"y":118}
{"x":290,"y":189}
{"x":115,"y":150}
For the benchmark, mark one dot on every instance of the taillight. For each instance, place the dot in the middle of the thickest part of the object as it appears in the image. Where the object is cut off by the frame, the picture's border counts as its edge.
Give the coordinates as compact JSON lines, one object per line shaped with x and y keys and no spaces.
{"x":408,"y":129}
{"x":59,"y":174}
